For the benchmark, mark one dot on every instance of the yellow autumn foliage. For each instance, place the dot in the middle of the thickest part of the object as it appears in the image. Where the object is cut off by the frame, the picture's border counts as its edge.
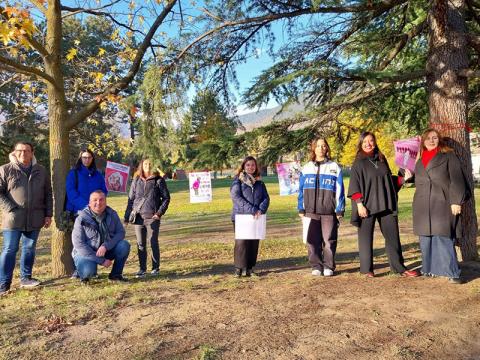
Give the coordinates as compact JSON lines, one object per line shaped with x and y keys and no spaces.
{"x":351,"y":126}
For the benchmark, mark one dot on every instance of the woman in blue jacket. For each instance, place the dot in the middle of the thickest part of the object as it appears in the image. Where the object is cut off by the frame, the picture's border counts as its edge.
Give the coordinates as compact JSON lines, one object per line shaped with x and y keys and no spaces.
{"x":82,"y":180}
{"x":249,"y":196}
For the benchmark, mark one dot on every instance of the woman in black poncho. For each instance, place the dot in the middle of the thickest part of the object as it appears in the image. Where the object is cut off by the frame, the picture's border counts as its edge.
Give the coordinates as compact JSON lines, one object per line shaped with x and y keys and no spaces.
{"x":373,"y":191}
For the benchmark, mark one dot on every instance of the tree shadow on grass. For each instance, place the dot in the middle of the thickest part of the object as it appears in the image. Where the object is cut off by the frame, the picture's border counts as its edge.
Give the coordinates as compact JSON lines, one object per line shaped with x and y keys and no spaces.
{"x":295,"y":263}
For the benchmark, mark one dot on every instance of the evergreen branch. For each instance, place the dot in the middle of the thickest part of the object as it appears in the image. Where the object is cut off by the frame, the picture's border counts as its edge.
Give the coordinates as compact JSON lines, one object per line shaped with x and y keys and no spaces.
{"x":473,"y":12}
{"x":266,"y":19}
{"x":353,"y":29}
{"x":404,"y":39}
{"x":355,"y":75}
{"x":473,"y":41}
{"x":469,"y":73}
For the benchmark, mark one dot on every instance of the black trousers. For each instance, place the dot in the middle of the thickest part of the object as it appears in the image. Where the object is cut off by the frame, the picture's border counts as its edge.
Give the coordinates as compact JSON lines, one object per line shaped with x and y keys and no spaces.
{"x":322,"y":242}
{"x":389,"y":227}
{"x":148,"y":232}
{"x":245,"y":253}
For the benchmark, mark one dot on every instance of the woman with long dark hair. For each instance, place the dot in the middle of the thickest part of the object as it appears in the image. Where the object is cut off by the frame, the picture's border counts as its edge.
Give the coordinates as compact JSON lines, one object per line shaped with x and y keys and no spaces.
{"x":82,"y":180}
{"x":321,"y":202}
{"x":249,"y":196}
{"x":440,"y":191}
{"x":373,"y":190}
{"x":148,"y":200}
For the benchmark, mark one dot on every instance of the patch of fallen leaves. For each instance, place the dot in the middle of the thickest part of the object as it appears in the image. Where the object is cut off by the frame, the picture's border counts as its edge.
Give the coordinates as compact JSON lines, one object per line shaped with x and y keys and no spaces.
{"x":53,"y":324}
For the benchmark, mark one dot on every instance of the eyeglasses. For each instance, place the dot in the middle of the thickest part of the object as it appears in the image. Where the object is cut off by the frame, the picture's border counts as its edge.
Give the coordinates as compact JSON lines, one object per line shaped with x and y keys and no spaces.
{"x":23,"y":151}
{"x":87,"y":157}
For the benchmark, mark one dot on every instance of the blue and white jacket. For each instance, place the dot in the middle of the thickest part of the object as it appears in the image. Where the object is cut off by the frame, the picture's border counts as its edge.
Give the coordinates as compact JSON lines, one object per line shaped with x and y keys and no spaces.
{"x":321,"y":190}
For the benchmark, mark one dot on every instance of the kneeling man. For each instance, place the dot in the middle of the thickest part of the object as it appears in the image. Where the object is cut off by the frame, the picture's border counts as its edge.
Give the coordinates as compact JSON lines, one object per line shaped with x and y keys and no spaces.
{"x":98,"y":238}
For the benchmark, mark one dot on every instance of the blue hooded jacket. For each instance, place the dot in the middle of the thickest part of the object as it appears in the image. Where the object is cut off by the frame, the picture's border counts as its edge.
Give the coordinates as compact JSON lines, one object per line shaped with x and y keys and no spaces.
{"x":89,"y":180}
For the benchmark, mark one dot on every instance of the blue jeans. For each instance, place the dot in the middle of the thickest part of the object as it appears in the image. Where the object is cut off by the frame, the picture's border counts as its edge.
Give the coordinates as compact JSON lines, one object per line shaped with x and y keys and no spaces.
{"x":439,"y":256}
{"x":87,"y":267}
{"x":11,"y":242}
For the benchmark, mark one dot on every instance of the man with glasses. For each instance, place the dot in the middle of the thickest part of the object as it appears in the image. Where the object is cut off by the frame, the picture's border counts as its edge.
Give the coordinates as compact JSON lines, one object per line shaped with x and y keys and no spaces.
{"x":27,"y":206}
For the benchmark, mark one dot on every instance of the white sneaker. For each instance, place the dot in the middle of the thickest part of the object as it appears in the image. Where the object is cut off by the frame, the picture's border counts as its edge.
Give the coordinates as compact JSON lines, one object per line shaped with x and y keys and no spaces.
{"x":327,"y":272}
{"x":316,"y":272}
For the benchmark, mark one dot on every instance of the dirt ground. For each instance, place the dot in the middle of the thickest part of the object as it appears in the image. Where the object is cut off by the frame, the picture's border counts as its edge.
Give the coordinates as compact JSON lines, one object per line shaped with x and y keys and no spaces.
{"x":286,"y":313}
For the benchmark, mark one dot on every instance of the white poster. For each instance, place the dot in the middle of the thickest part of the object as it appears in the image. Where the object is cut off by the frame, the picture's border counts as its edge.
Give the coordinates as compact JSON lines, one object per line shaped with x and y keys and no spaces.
{"x":200,"y":185}
{"x":247,"y":227}
{"x":306,"y":225}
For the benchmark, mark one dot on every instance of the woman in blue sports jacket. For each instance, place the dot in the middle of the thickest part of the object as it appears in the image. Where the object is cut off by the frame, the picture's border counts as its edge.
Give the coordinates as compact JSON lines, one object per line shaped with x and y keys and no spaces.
{"x":249,"y":196}
{"x":321,"y":202}
{"x":82,"y":180}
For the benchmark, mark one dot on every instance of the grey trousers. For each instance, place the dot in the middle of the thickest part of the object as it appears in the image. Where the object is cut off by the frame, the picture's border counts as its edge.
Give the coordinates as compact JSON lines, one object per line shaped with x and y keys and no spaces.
{"x":148,"y":232}
{"x":322,"y":242}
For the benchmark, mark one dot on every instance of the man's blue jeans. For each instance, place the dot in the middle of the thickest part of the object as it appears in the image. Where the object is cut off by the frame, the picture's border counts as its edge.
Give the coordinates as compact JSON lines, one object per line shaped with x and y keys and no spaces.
{"x":11,"y":242}
{"x":87,"y":267}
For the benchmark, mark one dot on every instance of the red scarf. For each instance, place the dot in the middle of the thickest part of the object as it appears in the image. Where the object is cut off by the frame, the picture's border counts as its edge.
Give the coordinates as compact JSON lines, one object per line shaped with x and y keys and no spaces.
{"x":428,"y":155}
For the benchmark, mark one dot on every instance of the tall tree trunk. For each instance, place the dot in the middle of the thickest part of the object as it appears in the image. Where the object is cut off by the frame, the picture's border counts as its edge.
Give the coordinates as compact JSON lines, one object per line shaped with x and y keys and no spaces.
{"x":59,"y":142}
{"x":61,"y":244}
{"x":448,"y":97}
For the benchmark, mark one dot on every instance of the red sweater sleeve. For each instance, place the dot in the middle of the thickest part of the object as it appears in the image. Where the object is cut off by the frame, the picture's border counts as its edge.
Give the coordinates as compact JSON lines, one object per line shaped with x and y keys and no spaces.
{"x":400,"y":181}
{"x":357,"y":196}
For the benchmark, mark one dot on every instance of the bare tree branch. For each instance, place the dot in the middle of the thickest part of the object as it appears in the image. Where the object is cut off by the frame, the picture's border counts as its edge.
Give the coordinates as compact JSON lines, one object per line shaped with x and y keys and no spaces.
{"x":75,"y":11}
{"x":6,"y":82}
{"x":11,"y":65}
{"x":37,"y":46}
{"x":123,"y":83}
{"x":39,"y":6}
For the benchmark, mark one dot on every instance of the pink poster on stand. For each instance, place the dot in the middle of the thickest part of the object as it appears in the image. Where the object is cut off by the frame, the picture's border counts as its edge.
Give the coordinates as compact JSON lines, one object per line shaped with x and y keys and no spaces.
{"x":288,"y":177}
{"x":116,"y":177}
{"x":406,"y":152}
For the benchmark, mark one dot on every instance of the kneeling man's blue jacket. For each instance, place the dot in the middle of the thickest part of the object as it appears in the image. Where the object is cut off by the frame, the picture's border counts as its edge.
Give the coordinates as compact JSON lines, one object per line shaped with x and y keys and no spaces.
{"x":86,"y":237}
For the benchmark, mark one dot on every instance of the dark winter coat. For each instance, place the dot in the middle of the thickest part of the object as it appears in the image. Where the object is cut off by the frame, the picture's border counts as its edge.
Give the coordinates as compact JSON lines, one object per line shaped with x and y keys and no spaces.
{"x":157,"y":198}
{"x":373,"y":179}
{"x":81,"y":183}
{"x":25,"y":201}
{"x":86,"y":236}
{"x":248,"y":199}
{"x":438,"y":186}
